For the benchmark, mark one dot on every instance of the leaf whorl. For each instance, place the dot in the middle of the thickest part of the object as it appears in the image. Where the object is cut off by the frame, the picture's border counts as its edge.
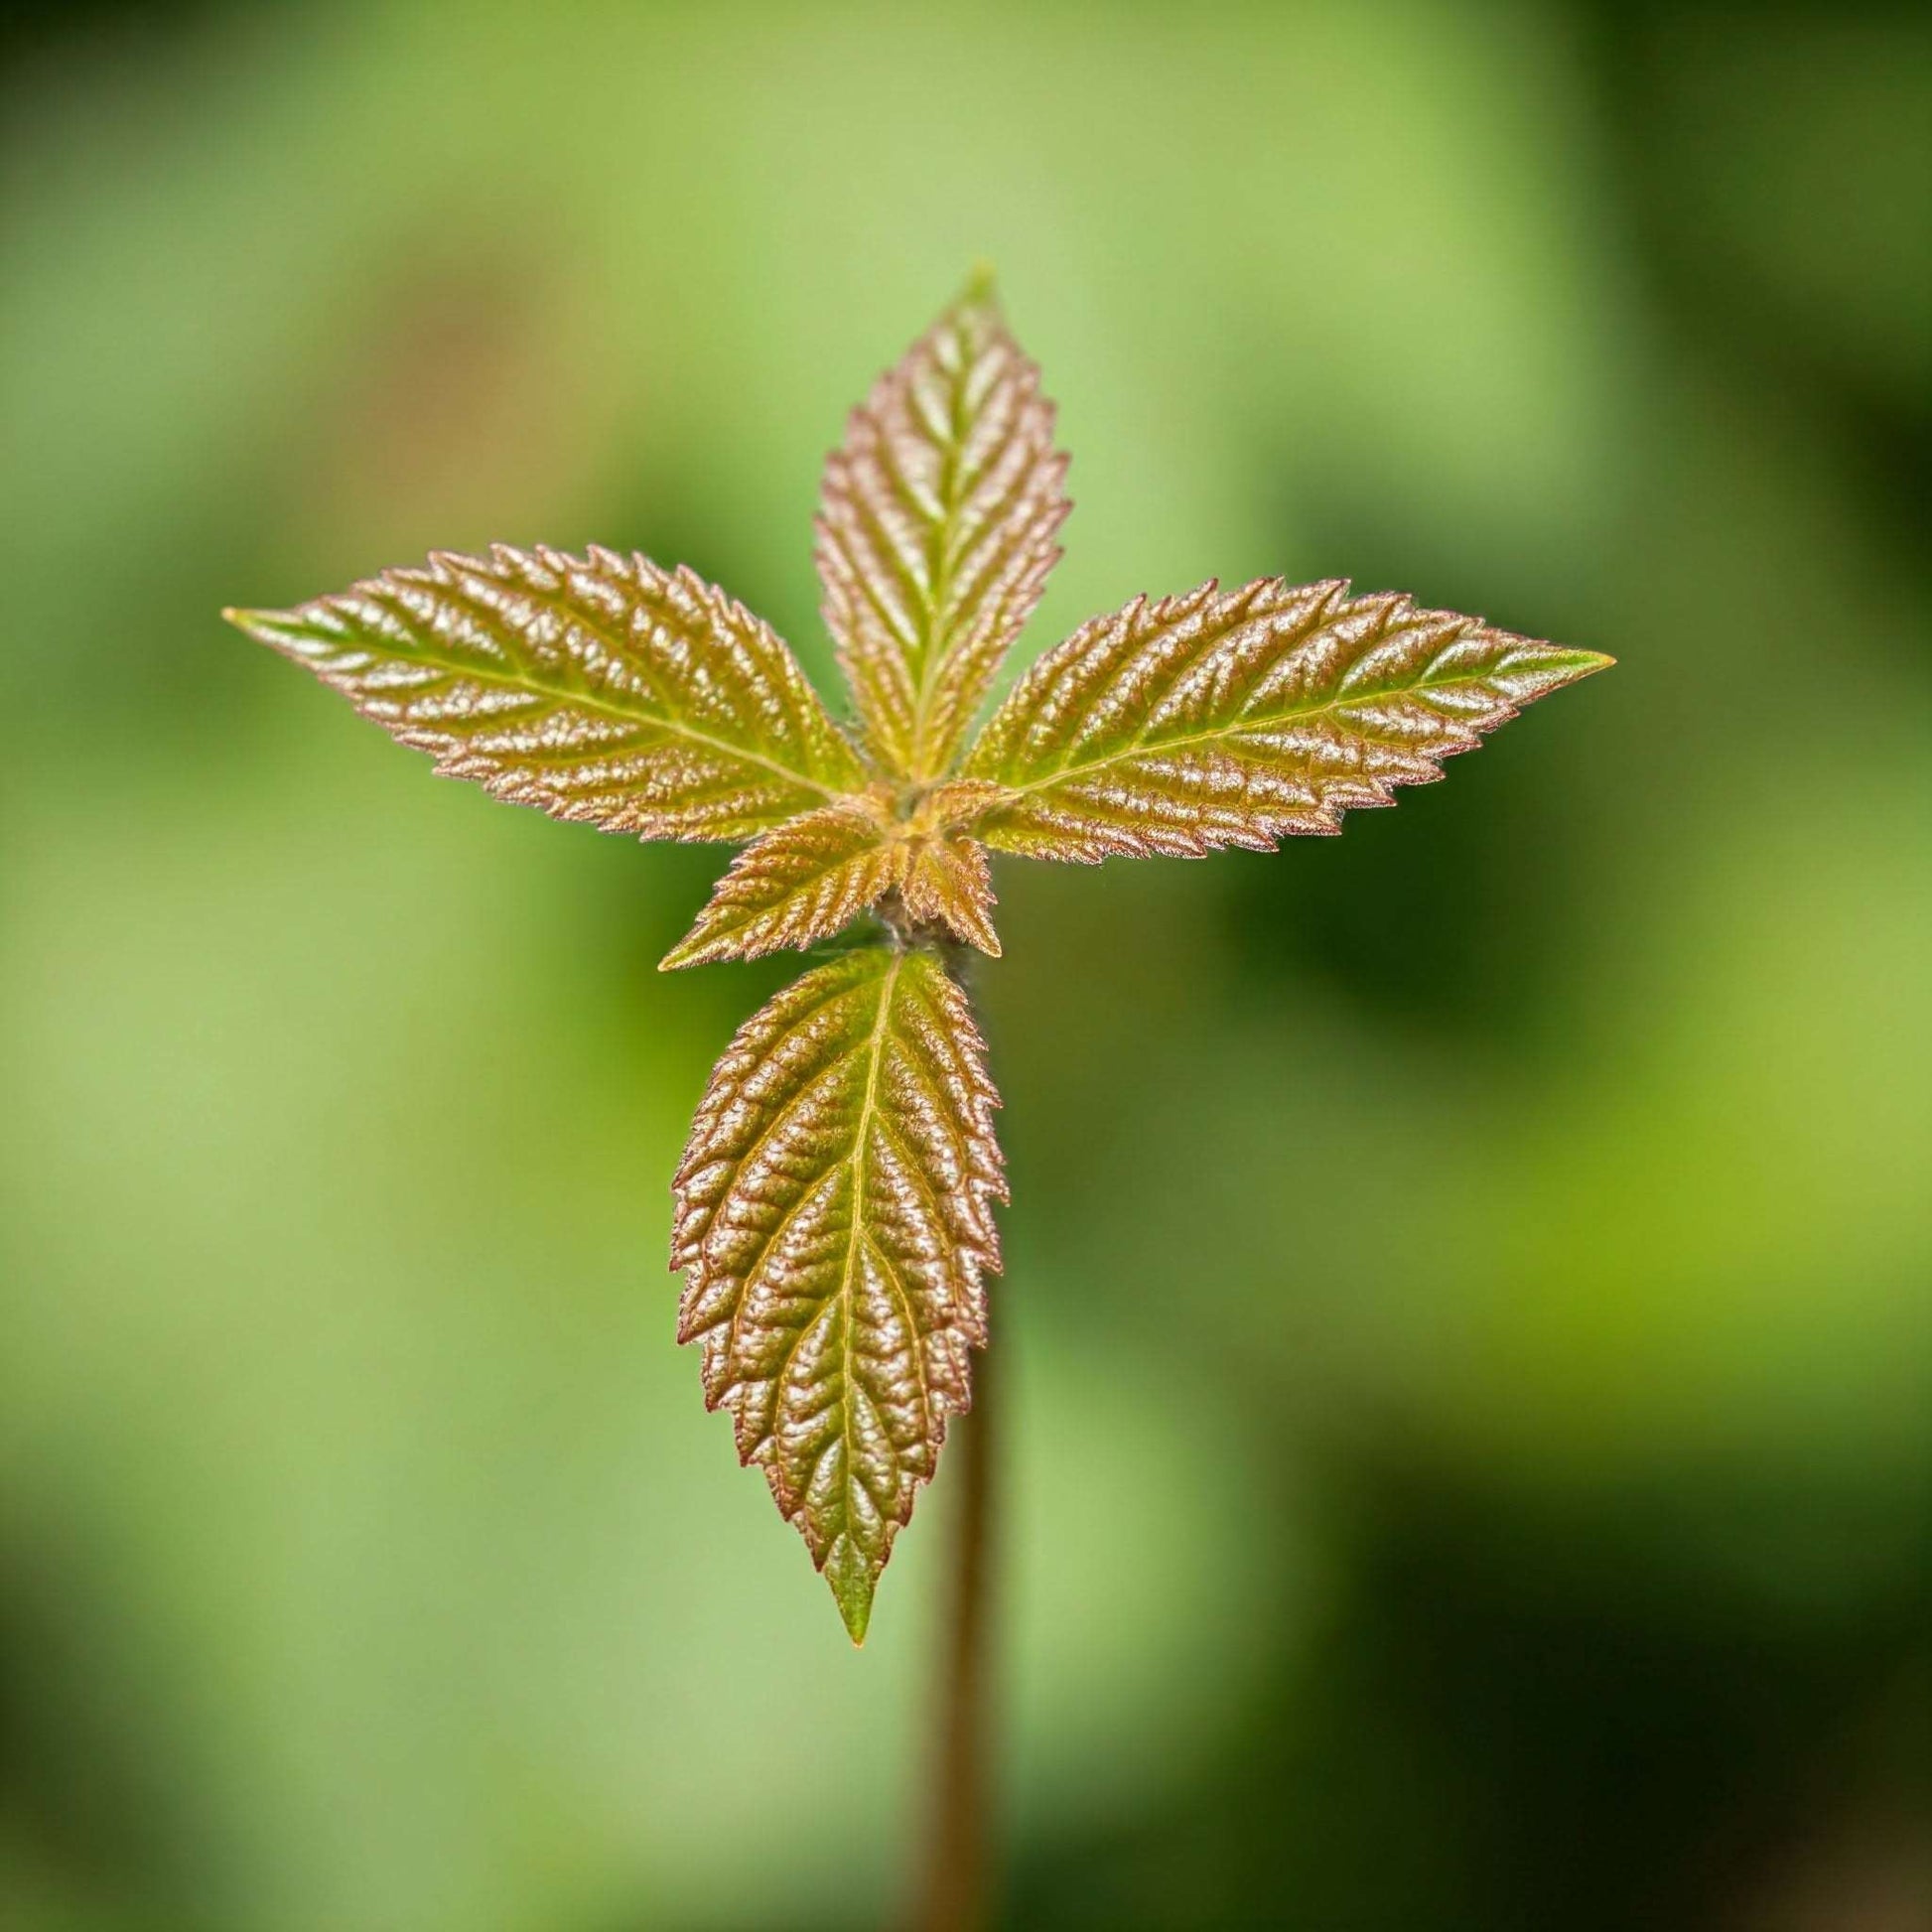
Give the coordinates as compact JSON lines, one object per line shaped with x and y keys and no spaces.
{"x":808,"y":878}
{"x":834,"y":1207}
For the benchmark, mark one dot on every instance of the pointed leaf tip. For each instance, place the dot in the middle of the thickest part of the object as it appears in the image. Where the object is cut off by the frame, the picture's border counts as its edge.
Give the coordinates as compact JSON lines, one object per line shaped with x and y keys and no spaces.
{"x":798,"y":884}
{"x":1237,"y":718}
{"x":936,"y":529}
{"x":257,"y":624}
{"x":982,"y":286}
{"x":834,"y":1226}
{"x":854,"y":1585}
{"x":597,"y":688}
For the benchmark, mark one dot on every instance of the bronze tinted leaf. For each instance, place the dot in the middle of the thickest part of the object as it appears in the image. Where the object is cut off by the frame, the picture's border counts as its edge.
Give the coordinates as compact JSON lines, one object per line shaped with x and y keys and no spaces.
{"x":935,"y":532}
{"x":807,"y":878}
{"x":834,"y":1220}
{"x":834,"y":1207}
{"x":797,"y":883}
{"x":948,"y":883}
{"x":597,"y":687}
{"x":945,"y":879}
{"x":1233,"y":718}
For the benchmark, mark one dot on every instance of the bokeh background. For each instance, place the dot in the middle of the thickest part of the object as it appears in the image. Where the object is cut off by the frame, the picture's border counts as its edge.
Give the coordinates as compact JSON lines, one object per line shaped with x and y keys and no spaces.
{"x":1466,"y":1325}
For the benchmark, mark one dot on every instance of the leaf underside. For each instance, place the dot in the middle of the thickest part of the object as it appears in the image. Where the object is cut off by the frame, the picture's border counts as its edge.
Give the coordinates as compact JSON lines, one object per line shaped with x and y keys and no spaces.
{"x":936,"y":533}
{"x":833,"y":1223}
{"x":1236,"y":718}
{"x":599,"y":688}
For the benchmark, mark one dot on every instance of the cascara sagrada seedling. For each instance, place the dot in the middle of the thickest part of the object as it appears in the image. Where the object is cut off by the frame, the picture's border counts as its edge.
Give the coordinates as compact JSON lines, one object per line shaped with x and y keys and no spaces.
{"x":834,"y":1208}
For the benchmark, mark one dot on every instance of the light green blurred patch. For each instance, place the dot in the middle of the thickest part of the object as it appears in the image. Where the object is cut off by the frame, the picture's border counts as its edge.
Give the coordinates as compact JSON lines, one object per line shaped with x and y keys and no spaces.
{"x":1154,"y":1564}
{"x":670,"y":230}
{"x":1722,"y":1233}
{"x":342,"y":1345}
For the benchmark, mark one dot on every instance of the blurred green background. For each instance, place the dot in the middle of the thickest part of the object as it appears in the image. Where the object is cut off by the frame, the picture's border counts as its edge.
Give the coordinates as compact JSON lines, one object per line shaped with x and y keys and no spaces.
{"x":1467,"y":1318}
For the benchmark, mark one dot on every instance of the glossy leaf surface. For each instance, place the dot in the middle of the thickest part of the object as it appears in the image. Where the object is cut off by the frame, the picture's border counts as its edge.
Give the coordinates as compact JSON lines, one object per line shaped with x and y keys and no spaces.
{"x":796,"y":885}
{"x":834,"y":1221}
{"x":834,"y":1207}
{"x":944,"y":879}
{"x":810,"y":877}
{"x":936,"y":533}
{"x":599,"y":688}
{"x":1235,"y":717}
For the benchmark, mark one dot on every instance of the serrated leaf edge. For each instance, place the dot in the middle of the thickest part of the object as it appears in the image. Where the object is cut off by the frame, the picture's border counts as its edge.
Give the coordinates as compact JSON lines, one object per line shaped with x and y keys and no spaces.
{"x":299,"y":634}
{"x":973,"y":770}
{"x":853,"y":1589}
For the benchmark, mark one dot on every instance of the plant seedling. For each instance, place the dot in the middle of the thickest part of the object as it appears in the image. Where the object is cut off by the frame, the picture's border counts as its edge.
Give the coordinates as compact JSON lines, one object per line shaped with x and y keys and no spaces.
{"x":834,"y":1207}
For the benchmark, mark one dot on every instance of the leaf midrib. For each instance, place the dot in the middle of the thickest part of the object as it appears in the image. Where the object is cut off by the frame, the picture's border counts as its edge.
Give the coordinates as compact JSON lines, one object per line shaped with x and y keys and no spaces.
{"x":875,"y":1048}
{"x":1143,"y":745}
{"x":868,"y":1108}
{"x":572,"y":694}
{"x":728,"y":919}
{"x":940,"y":564}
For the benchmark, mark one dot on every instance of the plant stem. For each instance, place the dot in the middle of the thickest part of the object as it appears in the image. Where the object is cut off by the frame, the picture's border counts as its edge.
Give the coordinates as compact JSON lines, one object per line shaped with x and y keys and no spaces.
{"x":955,"y":1884}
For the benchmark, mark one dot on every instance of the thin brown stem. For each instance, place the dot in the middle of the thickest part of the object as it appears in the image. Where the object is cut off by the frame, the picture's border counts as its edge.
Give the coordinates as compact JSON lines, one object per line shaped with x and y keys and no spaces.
{"x":955,"y":1885}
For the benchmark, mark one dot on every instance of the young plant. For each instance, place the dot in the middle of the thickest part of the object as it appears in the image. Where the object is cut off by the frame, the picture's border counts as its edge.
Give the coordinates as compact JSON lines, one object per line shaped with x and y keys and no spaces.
{"x":834,"y":1208}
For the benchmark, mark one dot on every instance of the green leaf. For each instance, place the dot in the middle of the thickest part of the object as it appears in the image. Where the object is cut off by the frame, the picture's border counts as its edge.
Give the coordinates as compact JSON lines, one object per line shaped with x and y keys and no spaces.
{"x":1234,"y":717}
{"x":798,"y":884}
{"x":599,"y":688}
{"x":936,"y":531}
{"x":834,"y":1222}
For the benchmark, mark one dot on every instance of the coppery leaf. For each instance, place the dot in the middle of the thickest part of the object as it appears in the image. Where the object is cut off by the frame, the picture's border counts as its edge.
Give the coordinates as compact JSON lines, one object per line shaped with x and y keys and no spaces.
{"x":943,"y":878}
{"x":1234,"y":717}
{"x":834,"y":1221}
{"x":834,"y":1207}
{"x":598,"y":687}
{"x":935,"y":532}
{"x":948,"y":883}
{"x":797,"y":883}
{"x":807,"y":878}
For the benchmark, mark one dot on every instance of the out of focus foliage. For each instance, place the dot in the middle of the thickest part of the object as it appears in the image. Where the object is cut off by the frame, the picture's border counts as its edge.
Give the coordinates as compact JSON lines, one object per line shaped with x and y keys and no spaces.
{"x":365,"y":1556}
